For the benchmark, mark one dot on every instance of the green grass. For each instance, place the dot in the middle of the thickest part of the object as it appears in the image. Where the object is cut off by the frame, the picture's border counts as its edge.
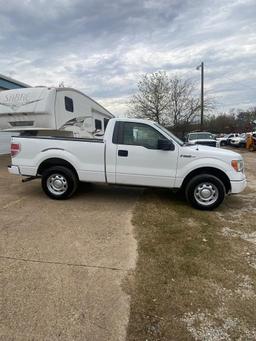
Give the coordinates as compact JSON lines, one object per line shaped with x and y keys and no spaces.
{"x":186,"y":266}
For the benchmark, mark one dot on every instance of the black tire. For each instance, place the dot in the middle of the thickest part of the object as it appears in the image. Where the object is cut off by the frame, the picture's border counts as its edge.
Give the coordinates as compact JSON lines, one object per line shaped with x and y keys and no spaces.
{"x":223,"y":143}
{"x":59,"y":175}
{"x":209,"y":183}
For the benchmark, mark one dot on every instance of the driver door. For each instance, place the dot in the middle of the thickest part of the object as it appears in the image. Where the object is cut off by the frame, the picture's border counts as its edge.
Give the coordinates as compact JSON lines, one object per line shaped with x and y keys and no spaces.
{"x":138,"y":159}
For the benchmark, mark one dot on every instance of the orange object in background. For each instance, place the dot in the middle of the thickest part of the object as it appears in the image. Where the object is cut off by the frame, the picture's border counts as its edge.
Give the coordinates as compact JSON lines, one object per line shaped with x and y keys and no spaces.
{"x":251,"y":142}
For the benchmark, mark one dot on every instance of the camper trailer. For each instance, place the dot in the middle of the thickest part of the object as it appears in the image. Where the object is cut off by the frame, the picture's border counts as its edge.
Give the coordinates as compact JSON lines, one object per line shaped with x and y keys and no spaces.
{"x":52,"y":111}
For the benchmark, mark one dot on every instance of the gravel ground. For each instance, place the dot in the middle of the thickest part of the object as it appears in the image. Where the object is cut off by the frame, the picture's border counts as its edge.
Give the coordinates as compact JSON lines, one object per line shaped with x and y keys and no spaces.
{"x":62,"y":263}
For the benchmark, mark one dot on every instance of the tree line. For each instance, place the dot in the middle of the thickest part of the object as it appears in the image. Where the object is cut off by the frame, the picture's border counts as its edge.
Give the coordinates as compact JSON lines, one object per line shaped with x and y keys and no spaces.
{"x":173,"y":102}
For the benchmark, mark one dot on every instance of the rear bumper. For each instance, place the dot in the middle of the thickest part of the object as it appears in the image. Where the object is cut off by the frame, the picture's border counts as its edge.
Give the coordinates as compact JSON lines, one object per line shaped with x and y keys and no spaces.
{"x":14,"y":170}
{"x":238,"y":186}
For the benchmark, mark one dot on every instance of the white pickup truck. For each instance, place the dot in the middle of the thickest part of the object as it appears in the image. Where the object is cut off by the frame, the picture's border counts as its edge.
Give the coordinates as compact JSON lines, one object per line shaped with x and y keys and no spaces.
{"x":132,"y":152}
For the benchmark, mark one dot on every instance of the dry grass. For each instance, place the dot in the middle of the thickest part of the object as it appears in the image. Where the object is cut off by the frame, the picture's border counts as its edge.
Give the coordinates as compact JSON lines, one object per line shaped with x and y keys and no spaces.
{"x":195,"y":276}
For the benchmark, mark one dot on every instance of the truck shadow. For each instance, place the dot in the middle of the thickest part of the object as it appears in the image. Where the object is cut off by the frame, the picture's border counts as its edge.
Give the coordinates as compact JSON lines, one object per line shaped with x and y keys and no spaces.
{"x":87,"y":190}
{"x":168,"y":195}
{"x":125,"y":192}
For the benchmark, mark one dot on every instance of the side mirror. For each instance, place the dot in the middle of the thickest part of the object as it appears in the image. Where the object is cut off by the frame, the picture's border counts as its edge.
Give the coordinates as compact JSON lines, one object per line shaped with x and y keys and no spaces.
{"x":164,"y":144}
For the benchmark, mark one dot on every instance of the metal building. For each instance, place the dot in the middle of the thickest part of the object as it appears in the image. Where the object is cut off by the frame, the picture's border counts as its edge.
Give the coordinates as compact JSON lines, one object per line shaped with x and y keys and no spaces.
{"x":7,"y":83}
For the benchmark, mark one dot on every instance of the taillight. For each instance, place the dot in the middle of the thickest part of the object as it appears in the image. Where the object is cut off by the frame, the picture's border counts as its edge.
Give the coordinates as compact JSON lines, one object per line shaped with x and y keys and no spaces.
{"x":15,"y":149}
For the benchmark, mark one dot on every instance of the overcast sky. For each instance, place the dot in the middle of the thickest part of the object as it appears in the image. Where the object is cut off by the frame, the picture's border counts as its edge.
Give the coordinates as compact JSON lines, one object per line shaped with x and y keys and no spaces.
{"x":101,"y":47}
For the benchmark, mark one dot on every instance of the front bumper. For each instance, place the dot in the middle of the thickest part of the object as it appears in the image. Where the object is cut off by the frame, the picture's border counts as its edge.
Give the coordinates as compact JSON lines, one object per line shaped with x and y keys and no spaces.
{"x":14,"y":170}
{"x":238,"y":186}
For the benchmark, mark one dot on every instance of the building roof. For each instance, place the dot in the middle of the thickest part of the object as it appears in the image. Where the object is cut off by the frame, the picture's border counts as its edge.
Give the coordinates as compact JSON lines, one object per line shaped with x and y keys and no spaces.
{"x":10,"y":83}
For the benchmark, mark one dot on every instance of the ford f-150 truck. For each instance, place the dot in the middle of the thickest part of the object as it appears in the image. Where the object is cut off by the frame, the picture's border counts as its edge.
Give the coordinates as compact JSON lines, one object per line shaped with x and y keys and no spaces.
{"x":132,"y":152}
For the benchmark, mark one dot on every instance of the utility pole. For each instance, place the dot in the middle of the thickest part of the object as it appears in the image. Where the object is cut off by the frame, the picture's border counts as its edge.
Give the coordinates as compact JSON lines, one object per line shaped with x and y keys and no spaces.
{"x":201,"y":66}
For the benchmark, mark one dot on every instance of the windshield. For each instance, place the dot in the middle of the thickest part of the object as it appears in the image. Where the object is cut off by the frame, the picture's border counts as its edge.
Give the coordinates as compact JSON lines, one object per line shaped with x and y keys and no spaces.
{"x":175,"y":138}
{"x":200,"y":136}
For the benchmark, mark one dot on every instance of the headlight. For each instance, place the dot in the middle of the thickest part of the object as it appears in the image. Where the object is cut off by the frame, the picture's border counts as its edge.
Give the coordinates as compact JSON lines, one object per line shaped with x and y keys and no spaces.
{"x":238,"y":165}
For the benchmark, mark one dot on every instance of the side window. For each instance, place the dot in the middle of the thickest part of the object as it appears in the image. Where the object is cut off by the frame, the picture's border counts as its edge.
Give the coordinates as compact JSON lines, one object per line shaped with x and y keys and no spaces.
{"x":69,"y":106}
{"x":98,"y":125}
{"x":141,"y":135}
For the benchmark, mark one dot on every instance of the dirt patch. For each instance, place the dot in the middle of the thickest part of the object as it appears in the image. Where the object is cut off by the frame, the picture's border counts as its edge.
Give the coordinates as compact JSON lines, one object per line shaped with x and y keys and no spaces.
{"x":195,"y":276}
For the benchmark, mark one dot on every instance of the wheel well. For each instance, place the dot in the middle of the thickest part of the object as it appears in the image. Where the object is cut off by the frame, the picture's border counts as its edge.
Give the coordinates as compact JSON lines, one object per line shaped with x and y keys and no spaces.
{"x":55,"y":162}
{"x":209,"y":170}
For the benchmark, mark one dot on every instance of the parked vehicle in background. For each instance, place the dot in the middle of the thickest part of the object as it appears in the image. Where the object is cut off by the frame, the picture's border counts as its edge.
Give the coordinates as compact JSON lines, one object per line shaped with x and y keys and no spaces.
{"x":238,"y":141}
{"x":204,"y":138}
{"x":133,"y":152}
{"x":47,"y":111}
{"x":225,"y":140}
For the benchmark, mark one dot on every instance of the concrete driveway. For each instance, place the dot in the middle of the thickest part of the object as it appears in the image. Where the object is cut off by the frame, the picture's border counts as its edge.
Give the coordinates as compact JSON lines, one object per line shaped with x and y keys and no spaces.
{"x":62,"y":263}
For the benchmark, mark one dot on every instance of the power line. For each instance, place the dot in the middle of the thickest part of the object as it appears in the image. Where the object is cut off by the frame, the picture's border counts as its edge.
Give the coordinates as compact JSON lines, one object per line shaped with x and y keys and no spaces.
{"x":219,"y":103}
{"x":226,"y":76}
{"x":185,"y":73}
{"x":239,"y":82}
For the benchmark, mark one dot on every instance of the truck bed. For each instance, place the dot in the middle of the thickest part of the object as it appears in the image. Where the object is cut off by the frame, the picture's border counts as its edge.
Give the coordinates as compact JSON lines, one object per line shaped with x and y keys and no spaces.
{"x":86,"y":155}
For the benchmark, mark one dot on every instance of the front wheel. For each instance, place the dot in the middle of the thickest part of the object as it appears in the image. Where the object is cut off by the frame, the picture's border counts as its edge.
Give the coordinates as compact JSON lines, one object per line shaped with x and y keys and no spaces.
{"x":205,"y":192}
{"x":59,"y":182}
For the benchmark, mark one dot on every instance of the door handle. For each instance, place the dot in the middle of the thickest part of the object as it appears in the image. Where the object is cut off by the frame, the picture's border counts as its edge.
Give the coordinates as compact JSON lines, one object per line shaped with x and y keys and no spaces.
{"x":123,"y":153}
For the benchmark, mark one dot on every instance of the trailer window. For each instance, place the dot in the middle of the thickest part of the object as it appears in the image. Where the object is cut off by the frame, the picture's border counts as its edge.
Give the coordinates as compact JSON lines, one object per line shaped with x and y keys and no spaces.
{"x":98,"y":125}
{"x":105,"y":123}
{"x":69,"y":106}
{"x":21,"y":123}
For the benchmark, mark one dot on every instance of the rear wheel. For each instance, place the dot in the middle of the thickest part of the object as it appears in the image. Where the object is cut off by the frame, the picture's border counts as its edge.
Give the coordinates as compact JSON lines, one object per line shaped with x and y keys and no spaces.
{"x":205,"y":192}
{"x":59,"y":182}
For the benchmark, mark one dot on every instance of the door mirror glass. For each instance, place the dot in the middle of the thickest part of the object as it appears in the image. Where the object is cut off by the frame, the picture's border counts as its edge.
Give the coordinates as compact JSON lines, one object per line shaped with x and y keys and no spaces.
{"x":164,"y":144}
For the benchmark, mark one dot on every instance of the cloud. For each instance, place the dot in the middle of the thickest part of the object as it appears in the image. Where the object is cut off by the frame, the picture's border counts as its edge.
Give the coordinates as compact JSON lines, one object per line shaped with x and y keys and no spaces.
{"x":101,"y":47}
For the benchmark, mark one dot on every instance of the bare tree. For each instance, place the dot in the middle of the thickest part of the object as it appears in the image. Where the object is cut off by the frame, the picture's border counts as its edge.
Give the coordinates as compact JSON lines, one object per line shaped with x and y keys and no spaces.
{"x":168,"y":101}
{"x":184,"y":105}
{"x":180,"y":98}
{"x":153,"y":98}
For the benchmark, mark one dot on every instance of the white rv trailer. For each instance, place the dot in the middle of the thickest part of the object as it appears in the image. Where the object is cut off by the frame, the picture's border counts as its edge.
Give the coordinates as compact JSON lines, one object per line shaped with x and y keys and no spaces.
{"x":47,"y":111}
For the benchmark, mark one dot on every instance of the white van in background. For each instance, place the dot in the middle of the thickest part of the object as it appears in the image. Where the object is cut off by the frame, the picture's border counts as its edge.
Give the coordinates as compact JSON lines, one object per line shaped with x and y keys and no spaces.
{"x":52,"y":111}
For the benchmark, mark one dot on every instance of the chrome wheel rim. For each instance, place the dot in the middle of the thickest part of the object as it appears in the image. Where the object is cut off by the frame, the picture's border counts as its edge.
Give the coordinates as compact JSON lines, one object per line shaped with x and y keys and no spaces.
{"x":206,"y":193}
{"x":57,"y":184}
